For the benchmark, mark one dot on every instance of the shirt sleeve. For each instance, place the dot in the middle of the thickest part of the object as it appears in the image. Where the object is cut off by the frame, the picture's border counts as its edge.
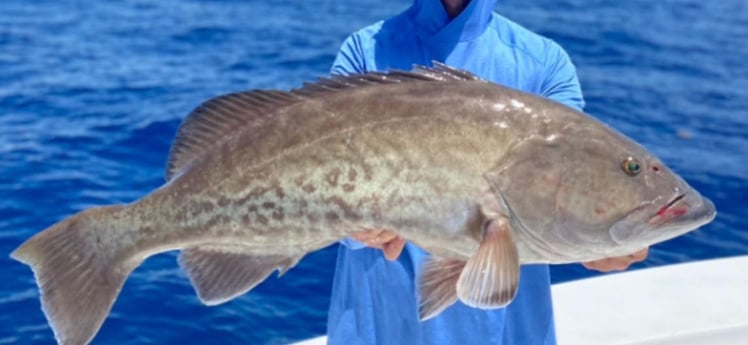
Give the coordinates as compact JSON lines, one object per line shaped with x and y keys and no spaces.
{"x":561,"y":83}
{"x":349,"y":60}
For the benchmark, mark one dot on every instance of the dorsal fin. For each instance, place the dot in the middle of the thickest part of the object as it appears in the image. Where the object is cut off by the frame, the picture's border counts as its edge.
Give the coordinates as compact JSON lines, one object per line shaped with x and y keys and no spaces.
{"x":440,"y":72}
{"x":443,"y":72}
{"x":217,"y":118}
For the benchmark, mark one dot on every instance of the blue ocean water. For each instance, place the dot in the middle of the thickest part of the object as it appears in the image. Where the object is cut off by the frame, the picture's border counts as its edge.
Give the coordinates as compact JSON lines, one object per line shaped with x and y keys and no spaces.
{"x":91,"y":94}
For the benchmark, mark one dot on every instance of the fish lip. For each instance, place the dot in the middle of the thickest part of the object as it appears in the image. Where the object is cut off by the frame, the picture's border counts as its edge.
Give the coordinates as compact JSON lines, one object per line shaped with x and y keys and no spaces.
{"x":687,"y":207}
{"x":667,"y":222}
{"x":667,"y":206}
{"x":672,"y":202}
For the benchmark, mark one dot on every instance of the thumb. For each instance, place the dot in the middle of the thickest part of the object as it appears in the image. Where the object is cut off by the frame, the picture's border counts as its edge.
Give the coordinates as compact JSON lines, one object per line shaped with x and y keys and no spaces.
{"x":392,"y":249}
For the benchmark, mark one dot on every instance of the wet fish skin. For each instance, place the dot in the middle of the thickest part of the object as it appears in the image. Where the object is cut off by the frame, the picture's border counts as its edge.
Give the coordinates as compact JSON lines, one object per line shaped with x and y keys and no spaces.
{"x":482,"y":176}
{"x":340,"y":183}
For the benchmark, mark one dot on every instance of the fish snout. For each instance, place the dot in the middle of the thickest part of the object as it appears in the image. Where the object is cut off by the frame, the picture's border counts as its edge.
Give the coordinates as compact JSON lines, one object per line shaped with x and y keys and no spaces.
{"x":683,"y":212}
{"x":686,"y":208}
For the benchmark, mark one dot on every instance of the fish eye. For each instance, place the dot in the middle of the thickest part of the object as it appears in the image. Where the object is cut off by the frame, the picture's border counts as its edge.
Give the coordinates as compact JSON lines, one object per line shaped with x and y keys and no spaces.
{"x":631,"y":166}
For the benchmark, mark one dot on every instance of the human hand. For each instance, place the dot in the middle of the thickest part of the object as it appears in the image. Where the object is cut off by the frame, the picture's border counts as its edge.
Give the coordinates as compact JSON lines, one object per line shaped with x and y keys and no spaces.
{"x":618,"y":263}
{"x":389,"y":242}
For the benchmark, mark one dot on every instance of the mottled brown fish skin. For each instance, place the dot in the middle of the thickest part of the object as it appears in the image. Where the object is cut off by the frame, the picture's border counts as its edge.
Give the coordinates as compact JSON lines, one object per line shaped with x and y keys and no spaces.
{"x":394,"y":156}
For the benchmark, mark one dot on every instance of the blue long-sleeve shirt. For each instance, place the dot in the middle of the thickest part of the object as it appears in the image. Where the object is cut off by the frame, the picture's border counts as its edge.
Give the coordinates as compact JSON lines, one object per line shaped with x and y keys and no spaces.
{"x":374,"y":301}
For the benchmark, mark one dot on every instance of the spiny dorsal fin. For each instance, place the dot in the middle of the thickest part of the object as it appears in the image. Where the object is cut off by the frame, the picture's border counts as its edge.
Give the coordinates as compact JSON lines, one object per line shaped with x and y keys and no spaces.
{"x":440,"y":72}
{"x":216,"y":119}
{"x":443,"y":72}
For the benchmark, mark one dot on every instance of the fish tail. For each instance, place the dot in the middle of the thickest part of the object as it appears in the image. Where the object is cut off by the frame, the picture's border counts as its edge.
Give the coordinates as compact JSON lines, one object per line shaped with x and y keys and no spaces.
{"x":78,"y":278}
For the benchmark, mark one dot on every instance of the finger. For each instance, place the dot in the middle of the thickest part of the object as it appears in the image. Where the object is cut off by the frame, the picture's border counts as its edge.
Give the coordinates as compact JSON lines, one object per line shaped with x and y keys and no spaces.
{"x":366,"y":235}
{"x":384,"y":236}
{"x":394,"y":248}
{"x":607,"y":265}
{"x":595,"y":265}
{"x":376,"y":238}
{"x":640,"y":255}
{"x":617,"y":263}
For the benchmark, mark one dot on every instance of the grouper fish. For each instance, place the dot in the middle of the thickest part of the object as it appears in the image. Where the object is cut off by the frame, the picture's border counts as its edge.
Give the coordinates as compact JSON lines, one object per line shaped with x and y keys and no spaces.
{"x":483,"y":177}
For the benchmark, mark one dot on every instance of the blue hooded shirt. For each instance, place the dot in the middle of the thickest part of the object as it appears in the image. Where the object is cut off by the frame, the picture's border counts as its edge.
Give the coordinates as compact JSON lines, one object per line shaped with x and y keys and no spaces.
{"x":374,"y":301}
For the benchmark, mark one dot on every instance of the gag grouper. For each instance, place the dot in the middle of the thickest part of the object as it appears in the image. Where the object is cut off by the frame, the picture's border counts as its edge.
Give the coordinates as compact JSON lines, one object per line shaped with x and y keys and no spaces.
{"x":482,"y":176}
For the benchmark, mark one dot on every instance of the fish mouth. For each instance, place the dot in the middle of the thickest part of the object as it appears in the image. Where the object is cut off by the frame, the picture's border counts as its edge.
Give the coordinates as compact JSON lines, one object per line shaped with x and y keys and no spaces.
{"x":682,"y":213}
{"x":672,"y":210}
{"x":684,"y":209}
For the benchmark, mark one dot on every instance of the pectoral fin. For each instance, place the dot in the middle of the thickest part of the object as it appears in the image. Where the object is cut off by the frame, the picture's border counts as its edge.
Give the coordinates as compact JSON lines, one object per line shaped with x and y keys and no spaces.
{"x":221,"y":273}
{"x":490,"y":278}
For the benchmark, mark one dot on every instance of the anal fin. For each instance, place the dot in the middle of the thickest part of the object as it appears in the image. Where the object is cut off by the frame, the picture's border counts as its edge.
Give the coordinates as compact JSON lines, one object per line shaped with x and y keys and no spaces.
{"x":490,"y":278}
{"x":220,"y":273}
{"x":437,"y":286}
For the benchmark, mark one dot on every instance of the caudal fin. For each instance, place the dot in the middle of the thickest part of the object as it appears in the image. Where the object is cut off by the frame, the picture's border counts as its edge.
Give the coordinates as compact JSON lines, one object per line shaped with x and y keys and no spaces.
{"x":78,"y":280}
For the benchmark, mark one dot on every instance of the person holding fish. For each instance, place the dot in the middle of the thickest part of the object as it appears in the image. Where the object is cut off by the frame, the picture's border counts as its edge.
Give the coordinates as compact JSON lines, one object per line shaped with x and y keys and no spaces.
{"x":373,"y":300}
